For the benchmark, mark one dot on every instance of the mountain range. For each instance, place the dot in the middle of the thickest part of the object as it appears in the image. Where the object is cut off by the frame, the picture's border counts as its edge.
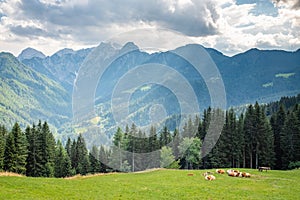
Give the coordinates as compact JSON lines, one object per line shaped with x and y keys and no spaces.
{"x":34,"y":86}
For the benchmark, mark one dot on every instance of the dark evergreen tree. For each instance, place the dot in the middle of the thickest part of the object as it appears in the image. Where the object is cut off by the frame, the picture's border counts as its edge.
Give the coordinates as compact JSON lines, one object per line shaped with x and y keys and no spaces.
{"x":250,"y":136}
{"x":277,"y":122}
{"x":94,"y":160}
{"x":266,"y":155}
{"x":290,"y":139}
{"x":175,"y":144}
{"x":241,"y":135}
{"x":3,"y":134}
{"x":165,"y":137}
{"x":82,"y":156}
{"x":103,"y":158}
{"x":68,"y":147}
{"x":47,"y":151}
{"x":15,"y":153}
{"x":74,"y":156}
{"x":62,"y":167}
{"x":153,"y":149}
{"x":132,"y":146}
{"x":32,"y":164}
{"x":10,"y":154}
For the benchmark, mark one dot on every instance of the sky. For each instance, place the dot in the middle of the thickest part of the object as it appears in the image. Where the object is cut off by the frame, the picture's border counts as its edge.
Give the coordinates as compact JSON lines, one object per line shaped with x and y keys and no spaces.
{"x":230,"y":26}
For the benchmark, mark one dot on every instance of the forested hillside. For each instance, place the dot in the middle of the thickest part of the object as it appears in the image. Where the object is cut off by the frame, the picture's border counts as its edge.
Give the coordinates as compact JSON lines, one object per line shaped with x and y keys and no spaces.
{"x":34,"y":86}
{"x":250,"y":140}
{"x":27,"y":96}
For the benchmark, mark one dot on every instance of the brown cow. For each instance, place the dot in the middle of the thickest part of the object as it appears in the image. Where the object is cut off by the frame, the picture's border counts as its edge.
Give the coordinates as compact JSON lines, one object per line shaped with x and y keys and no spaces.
{"x":220,"y":171}
{"x":210,"y":177}
{"x":246,"y":175}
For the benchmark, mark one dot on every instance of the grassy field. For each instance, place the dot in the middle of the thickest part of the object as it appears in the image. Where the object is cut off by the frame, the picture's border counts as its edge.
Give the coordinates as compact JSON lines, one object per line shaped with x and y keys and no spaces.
{"x":159,"y":184}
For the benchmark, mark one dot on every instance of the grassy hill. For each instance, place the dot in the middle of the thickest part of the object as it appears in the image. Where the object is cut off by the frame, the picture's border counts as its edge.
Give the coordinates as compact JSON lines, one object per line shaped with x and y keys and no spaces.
{"x":159,"y":184}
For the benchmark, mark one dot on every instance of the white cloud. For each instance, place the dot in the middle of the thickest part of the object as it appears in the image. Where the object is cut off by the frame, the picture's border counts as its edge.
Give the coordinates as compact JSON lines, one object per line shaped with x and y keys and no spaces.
{"x":231,"y":28}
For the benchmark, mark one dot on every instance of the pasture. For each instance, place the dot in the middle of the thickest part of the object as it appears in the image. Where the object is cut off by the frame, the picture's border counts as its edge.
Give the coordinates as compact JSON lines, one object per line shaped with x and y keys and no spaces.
{"x":157,"y":184}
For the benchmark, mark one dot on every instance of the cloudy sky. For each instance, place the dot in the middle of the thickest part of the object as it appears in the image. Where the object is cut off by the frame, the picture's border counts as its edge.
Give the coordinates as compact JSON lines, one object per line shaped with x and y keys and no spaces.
{"x":231,"y":26}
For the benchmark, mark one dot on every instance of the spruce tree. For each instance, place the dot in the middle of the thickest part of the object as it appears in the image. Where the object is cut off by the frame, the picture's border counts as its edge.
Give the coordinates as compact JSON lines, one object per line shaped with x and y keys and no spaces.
{"x":16,"y":151}
{"x":241,"y":135}
{"x":277,"y":121}
{"x":82,"y":156}
{"x":266,"y":141}
{"x":94,"y":160}
{"x":103,"y":158}
{"x":74,"y":156}
{"x":132,"y":146}
{"x":250,"y":135}
{"x":62,"y":166}
{"x":175,"y":144}
{"x":68,"y":147}
{"x":3,"y":134}
{"x":165,"y":137}
{"x":153,"y":149}
{"x":290,"y":140}
{"x":32,"y":158}
{"x":10,"y":162}
{"x":47,"y":151}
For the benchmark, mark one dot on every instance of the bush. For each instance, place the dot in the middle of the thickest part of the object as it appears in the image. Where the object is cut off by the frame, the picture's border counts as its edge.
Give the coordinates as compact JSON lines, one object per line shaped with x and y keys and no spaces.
{"x":294,"y":165}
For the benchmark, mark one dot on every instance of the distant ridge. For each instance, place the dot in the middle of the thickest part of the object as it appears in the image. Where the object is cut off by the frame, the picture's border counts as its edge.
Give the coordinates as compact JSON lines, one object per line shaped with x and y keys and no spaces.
{"x":30,"y":53}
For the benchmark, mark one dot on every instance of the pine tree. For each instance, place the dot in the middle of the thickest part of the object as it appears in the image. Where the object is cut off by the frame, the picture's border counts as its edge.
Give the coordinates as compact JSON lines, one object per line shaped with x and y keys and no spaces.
{"x":94,"y":160}
{"x":290,"y":139}
{"x":15,"y":151}
{"x":165,"y":137}
{"x":153,"y":149}
{"x":132,"y":146}
{"x":241,"y":135}
{"x":277,"y":121}
{"x":250,"y":135}
{"x":68,"y":147}
{"x":176,"y":142}
{"x":47,"y":151}
{"x":74,"y":156}
{"x":266,"y":142}
{"x":117,"y":155}
{"x":10,"y":154}
{"x":32,"y":158}
{"x":62,"y":166}
{"x":103,"y":158}
{"x":3,"y":134}
{"x":82,"y":156}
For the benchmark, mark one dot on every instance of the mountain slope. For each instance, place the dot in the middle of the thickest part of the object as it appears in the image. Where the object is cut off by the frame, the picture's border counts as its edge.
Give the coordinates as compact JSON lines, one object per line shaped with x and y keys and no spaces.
{"x":42,"y":87}
{"x":27,"y":96}
{"x":61,"y":66}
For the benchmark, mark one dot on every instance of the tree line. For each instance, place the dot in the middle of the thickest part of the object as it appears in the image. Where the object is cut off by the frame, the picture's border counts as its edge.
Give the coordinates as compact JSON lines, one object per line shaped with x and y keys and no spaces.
{"x":249,"y":140}
{"x":35,"y":153}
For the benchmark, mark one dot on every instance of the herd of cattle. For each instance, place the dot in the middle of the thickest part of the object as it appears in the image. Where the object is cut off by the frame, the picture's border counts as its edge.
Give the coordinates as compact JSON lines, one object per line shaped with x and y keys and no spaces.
{"x":231,"y":172}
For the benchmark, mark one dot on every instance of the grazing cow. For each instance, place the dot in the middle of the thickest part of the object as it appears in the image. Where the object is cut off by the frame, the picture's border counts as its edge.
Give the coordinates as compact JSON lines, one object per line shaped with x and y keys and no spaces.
{"x":246,"y":175}
{"x":210,"y":177}
{"x":234,"y":173}
{"x":220,"y":171}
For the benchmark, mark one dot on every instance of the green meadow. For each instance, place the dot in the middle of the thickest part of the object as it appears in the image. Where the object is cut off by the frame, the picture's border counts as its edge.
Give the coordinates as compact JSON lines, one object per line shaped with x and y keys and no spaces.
{"x":157,"y":184}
